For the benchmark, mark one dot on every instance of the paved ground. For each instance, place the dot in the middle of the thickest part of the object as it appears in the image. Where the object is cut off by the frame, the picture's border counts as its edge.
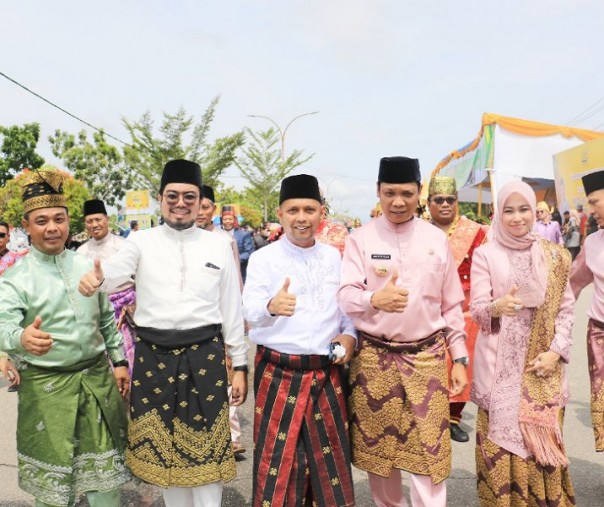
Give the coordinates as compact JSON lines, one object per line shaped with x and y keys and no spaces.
{"x":587,"y":467}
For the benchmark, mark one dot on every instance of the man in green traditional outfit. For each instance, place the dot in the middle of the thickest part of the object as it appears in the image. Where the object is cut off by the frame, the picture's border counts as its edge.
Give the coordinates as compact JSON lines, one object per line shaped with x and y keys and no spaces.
{"x":71,"y":424}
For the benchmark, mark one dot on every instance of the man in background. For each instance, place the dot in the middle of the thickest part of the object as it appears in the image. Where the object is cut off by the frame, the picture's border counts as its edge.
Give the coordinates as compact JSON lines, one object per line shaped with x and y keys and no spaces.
{"x":102,"y":245}
{"x":245,"y":244}
{"x":464,"y":236}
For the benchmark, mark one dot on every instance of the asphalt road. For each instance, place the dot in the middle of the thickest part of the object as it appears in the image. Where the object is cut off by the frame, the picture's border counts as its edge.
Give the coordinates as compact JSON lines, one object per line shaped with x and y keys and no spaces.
{"x":587,"y":467}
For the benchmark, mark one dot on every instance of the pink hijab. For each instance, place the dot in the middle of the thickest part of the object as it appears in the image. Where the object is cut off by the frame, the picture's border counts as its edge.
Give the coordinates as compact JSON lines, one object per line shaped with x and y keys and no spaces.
{"x":532,"y":292}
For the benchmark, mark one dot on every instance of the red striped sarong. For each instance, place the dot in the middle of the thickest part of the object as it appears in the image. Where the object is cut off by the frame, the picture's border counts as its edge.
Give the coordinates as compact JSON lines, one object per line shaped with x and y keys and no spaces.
{"x":302,"y":451}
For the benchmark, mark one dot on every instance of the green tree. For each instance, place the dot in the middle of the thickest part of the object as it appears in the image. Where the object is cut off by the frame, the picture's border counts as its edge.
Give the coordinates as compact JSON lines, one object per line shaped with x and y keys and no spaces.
{"x":263,"y":166}
{"x":75,"y":194}
{"x":97,"y":163}
{"x":19,"y":150}
{"x":147,"y":154}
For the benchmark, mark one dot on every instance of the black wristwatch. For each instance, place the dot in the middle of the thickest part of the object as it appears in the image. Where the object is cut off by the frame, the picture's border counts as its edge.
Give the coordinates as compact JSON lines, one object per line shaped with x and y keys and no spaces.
{"x":119,"y":364}
{"x":242,"y":368}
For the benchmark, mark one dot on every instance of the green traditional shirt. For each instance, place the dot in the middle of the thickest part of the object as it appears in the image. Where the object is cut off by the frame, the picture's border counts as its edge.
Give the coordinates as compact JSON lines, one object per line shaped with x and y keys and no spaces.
{"x":47,"y":285}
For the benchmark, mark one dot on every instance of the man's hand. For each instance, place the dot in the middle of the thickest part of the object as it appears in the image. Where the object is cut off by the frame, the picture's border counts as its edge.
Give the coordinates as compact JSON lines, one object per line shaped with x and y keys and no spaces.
{"x":239,"y":388}
{"x":34,"y":340}
{"x":391,"y":298}
{"x":90,"y":282}
{"x":283,"y":303}
{"x":459,"y":379}
{"x":122,"y":380}
{"x":349,"y":343}
{"x":9,"y":371}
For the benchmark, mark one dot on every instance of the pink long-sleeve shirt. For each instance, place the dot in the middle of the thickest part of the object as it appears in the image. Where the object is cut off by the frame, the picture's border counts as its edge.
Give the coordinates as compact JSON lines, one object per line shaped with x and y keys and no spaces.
{"x":420,"y":253}
{"x":587,"y":268}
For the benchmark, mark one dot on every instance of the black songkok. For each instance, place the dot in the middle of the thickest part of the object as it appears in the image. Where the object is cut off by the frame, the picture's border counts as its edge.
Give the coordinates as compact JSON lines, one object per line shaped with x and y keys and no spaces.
{"x":399,"y":170}
{"x":593,"y":182}
{"x":208,"y":193}
{"x":181,"y":171}
{"x":302,"y":186}
{"x":93,"y":207}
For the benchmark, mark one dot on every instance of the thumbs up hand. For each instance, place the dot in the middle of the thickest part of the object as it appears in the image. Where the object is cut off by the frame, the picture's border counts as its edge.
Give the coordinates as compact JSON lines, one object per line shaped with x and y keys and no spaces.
{"x":509,"y":304}
{"x":283,"y":303}
{"x":91,"y":281}
{"x":34,"y":340}
{"x":391,"y":298}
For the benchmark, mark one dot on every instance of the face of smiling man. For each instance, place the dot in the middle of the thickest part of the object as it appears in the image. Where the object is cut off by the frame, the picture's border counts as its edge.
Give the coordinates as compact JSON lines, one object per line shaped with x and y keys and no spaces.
{"x":97,"y":225}
{"x":300,"y":219}
{"x":179,"y":204}
{"x":48,"y":229}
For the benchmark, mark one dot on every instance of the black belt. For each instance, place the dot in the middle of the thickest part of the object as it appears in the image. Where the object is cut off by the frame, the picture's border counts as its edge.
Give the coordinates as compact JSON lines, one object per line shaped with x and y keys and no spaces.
{"x":177,"y":338}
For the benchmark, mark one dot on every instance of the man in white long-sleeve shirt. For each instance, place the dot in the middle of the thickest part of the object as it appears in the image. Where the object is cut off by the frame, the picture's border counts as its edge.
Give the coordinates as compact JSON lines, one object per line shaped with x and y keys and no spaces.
{"x":301,"y":450}
{"x":188,"y":308}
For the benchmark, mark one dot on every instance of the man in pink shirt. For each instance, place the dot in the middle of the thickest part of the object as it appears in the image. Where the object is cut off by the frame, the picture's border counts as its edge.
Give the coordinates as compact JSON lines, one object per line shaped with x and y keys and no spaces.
{"x":587,"y":268}
{"x":400,"y":286}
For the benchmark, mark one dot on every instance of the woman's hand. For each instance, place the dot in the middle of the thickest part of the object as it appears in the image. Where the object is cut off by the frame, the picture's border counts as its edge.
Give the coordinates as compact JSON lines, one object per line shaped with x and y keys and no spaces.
{"x":544,"y":364}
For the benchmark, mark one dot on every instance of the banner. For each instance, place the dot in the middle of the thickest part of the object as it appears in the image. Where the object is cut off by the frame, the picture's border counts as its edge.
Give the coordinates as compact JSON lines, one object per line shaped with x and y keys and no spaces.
{"x":137,"y":200}
{"x":570,"y":166}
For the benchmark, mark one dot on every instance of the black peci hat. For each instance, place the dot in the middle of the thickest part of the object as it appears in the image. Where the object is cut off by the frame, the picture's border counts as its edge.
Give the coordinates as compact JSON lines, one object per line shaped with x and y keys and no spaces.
{"x":208,"y":193}
{"x":181,"y":171}
{"x":593,"y":182}
{"x":399,"y":170}
{"x":94,"y":206}
{"x":301,"y":186}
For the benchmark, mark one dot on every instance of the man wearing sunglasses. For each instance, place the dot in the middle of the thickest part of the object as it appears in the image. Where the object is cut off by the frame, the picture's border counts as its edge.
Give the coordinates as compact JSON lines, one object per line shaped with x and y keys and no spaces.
{"x":188,"y":308}
{"x":464,"y":236}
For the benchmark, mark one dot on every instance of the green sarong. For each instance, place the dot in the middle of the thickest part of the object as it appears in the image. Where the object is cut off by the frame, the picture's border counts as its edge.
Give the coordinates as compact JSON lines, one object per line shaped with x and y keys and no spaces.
{"x":71,"y":431}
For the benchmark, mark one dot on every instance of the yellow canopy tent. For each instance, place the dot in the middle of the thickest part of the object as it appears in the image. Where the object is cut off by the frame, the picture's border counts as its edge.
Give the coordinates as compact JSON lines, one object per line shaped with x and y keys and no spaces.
{"x":509,"y":149}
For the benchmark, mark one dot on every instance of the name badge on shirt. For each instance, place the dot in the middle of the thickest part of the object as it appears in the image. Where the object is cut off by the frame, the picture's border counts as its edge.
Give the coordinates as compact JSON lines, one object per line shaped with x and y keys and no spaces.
{"x":383,"y":257}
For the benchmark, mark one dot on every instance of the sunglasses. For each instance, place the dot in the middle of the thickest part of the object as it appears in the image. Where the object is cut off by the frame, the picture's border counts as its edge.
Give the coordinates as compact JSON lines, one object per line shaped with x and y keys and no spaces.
{"x":2,"y":234}
{"x":189,"y":198}
{"x":441,"y":200}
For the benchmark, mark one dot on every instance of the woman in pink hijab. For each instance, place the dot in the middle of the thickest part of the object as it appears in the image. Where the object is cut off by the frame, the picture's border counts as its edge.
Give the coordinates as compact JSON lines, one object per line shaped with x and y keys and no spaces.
{"x":522,"y":301}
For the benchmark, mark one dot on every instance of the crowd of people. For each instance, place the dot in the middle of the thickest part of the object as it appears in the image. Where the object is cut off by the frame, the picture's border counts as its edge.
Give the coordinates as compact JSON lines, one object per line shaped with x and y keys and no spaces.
{"x":131,"y":355}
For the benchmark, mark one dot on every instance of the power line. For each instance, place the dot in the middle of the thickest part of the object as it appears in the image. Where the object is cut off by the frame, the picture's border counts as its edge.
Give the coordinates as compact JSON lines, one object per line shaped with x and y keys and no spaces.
{"x":63,"y":110}
{"x":586,"y":114}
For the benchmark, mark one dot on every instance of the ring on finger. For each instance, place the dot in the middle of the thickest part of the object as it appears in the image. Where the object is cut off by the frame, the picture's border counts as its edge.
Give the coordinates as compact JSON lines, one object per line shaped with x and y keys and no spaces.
{"x":517,"y":308}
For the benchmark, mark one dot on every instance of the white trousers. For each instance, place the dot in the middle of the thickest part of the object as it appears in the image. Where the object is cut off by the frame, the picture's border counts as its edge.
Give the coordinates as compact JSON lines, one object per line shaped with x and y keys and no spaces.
{"x":209,"y":495}
{"x":233,"y":418}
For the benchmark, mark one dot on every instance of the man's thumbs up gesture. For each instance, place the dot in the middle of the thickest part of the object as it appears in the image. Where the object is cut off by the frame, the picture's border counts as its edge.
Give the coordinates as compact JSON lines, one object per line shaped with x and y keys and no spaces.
{"x":91,"y":281}
{"x":283,"y":303}
{"x":34,"y":340}
{"x":391,"y":298}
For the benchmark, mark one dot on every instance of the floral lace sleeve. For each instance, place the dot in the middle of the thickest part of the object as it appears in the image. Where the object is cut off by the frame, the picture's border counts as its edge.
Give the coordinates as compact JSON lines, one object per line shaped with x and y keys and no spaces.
{"x":482,"y":295}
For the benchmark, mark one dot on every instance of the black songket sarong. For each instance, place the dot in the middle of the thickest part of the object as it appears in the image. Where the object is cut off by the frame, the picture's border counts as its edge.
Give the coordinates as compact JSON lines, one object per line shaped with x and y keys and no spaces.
{"x":179,"y":433}
{"x":302,"y":452}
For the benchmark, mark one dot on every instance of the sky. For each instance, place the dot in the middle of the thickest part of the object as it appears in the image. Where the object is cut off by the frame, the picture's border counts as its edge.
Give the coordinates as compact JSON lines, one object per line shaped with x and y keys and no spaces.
{"x":386,"y":77}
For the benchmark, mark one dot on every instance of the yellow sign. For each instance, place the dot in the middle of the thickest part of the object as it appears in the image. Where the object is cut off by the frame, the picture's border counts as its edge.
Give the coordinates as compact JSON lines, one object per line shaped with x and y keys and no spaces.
{"x":570,"y":166}
{"x":137,"y":199}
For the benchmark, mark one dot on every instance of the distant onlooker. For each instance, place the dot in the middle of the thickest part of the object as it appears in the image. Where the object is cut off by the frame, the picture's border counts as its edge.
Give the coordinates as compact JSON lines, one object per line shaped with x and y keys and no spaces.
{"x":261,"y":235}
{"x":243,"y":238}
{"x":572,"y":236}
{"x":133,"y":228}
{"x":546,"y":227}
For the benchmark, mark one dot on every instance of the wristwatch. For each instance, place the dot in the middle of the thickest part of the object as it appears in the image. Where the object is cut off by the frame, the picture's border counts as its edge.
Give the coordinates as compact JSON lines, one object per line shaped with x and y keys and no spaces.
{"x":242,"y":368}
{"x":462,"y":360}
{"x":119,"y":364}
